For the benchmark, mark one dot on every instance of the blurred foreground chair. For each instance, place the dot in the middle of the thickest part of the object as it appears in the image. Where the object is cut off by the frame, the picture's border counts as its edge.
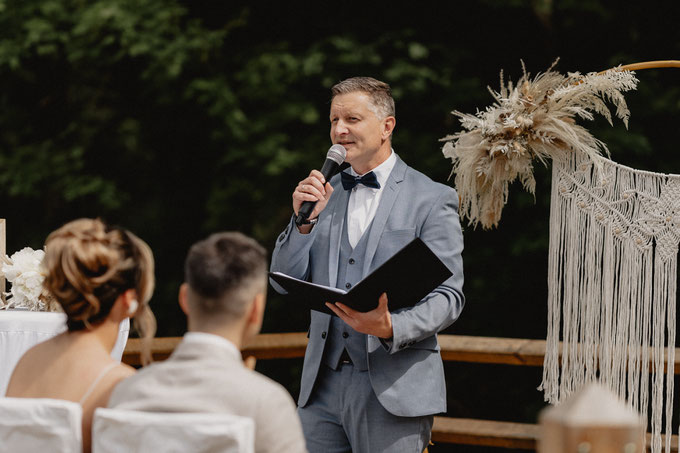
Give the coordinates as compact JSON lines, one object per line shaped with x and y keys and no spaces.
{"x":40,"y":425}
{"x":116,"y":430}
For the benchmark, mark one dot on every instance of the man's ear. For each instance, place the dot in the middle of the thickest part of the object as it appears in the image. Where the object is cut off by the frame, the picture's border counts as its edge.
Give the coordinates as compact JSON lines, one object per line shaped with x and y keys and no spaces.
{"x":182,"y":297}
{"x":389,"y":124}
{"x":256,"y":313}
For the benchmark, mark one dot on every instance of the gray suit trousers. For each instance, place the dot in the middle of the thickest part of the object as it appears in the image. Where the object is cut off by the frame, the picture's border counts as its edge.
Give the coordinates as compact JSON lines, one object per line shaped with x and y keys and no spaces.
{"x":344,"y":415}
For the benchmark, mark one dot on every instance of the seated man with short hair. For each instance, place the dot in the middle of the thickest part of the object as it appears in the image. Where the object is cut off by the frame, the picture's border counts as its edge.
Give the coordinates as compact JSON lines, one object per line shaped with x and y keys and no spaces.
{"x":223,"y":297}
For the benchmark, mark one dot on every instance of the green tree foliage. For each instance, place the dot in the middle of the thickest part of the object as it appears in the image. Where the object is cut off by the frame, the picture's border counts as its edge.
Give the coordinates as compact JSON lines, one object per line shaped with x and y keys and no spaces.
{"x":139,"y":113}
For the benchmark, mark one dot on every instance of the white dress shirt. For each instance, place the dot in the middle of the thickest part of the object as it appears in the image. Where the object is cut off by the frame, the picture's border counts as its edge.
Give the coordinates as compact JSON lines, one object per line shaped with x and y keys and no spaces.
{"x":364,"y":201}
{"x":209,"y":338}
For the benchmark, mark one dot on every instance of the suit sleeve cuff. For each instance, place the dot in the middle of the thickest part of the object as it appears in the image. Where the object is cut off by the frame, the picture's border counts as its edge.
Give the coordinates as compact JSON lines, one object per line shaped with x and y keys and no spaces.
{"x":294,"y":237}
{"x":398,"y":340}
{"x":387,"y":343}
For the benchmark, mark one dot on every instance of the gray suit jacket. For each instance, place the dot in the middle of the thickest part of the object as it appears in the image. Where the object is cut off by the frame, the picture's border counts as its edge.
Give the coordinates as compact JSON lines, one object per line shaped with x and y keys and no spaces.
{"x":202,"y":377}
{"x":407,"y":373}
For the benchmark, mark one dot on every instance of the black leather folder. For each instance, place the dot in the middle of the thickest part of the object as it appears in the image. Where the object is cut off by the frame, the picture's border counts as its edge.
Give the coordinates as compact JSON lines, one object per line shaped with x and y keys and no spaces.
{"x":407,"y":277}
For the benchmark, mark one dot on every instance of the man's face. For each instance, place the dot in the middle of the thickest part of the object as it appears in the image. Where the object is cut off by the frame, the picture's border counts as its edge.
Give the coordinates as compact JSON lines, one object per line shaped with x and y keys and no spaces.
{"x":356,"y":127}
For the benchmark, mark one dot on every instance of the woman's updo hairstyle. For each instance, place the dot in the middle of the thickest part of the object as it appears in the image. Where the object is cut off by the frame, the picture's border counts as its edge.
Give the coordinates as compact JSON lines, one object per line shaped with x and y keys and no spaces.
{"x":89,"y":264}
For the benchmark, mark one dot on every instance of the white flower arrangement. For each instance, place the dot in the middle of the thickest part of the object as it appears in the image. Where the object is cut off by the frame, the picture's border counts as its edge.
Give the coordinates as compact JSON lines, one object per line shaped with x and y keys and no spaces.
{"x":23,"y":270}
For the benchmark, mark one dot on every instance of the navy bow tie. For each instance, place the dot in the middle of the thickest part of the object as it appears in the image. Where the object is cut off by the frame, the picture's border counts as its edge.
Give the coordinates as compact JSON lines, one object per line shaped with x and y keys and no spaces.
{"x":369,"y":180}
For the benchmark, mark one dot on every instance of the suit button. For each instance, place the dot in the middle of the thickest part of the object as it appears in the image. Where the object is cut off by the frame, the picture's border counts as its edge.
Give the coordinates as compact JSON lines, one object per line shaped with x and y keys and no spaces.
{"x":282,"y":237}
{"x":402,"y":346}
{"x":348,"y":285}
{"x":345,"y":335}
{"x":323,"y":335}
{"x":411,"y":343}
{"x":351,"y":261}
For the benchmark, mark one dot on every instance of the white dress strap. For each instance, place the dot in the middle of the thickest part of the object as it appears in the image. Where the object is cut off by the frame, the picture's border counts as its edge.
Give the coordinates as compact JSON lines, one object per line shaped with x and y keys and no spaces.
{"x":92,"y":386}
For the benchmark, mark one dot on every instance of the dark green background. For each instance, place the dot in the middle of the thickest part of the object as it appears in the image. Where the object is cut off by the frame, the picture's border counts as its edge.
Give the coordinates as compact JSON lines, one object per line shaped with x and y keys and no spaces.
{"x":177,"y":118}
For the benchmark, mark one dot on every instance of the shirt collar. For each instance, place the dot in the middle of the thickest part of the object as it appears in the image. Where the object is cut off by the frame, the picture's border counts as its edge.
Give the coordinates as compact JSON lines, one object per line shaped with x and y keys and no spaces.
{"x":382,"y":171}
{"x":215,"y":340}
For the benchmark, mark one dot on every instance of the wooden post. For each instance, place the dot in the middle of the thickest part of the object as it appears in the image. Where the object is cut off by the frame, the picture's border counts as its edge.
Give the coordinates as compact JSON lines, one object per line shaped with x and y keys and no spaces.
{"x":3,"y":252}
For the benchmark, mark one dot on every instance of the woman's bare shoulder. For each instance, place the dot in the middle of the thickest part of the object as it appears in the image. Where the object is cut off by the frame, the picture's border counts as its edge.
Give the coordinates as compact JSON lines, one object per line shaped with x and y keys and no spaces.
{"x":123,"y":371}
{"x":33,"y":361}
{"x":102,"y":393}
{"x":113,"y":377}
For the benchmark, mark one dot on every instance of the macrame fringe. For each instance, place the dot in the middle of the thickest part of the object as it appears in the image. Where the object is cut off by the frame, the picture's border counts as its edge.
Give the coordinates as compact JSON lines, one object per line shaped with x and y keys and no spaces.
{"x":614,"y":234}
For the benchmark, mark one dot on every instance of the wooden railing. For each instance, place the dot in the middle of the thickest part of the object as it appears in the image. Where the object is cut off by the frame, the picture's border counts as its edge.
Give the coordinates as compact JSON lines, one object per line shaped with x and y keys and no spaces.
{"x":456,"y":348}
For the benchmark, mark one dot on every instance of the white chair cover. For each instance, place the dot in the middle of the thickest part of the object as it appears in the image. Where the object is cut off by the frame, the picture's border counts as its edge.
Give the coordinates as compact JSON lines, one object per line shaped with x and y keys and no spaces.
{"x":40,"y":425}
{"x":20,"y":330}
{"x":115,"y":430}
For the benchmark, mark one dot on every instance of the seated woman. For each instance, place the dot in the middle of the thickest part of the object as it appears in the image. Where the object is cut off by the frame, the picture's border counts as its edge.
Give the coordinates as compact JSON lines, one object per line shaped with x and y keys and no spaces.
{"x":99,"y":275}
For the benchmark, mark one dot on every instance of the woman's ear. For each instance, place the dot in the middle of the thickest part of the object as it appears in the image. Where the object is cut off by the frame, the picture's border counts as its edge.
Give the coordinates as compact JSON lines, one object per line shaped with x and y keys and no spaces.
{"x":126,"y":306}
{"x":130,"y":302}
{"x":133,"y":307}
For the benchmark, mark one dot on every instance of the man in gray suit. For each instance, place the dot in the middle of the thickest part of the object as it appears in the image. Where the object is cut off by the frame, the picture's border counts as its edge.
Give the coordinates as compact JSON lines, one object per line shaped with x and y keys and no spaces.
{"x":223,"y":298}
{"x":371,"y":381}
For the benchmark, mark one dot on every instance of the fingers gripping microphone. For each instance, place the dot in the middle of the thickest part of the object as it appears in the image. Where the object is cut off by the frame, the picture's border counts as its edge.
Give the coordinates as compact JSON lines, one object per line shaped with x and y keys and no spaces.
{"x":335,"y":157}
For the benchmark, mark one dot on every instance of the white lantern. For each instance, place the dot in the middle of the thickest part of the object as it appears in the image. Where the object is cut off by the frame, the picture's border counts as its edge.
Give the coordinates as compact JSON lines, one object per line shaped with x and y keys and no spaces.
{"x":593,"y":420}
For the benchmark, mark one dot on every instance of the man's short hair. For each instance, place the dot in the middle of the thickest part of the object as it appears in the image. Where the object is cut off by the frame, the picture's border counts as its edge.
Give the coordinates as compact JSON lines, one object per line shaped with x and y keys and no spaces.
{"x":224,"y":273}
{"x":378,"y":92}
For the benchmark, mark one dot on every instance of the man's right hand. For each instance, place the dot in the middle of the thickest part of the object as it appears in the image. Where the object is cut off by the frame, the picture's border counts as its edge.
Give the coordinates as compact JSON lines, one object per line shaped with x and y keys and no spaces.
{"x":312,"y":188}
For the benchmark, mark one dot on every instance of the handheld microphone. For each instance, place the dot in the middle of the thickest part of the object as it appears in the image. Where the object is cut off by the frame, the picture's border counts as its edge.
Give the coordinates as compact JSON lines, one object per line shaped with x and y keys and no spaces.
{"x":335,"y":157}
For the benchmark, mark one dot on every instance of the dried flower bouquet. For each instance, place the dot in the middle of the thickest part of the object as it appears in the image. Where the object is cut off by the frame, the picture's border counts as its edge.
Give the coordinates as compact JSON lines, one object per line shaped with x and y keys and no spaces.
{"x":532,"y":120}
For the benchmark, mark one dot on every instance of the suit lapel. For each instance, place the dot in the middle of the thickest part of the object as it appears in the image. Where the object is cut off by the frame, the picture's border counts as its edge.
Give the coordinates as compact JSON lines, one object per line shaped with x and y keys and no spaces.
{"x":389,"y":196}
{"x":337,"y":223}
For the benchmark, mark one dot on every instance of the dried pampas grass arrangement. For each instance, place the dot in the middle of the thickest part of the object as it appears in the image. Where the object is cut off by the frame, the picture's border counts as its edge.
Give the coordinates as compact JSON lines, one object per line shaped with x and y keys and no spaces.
{"x":535,"y":119}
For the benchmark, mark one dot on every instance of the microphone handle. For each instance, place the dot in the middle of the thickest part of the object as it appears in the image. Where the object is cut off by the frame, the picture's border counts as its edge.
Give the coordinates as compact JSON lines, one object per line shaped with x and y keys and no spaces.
{"x":328,"y":169}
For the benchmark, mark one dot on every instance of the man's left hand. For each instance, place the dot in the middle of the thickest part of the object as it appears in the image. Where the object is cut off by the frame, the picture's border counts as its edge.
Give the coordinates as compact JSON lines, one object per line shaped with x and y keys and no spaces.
{"x":377,"y":322}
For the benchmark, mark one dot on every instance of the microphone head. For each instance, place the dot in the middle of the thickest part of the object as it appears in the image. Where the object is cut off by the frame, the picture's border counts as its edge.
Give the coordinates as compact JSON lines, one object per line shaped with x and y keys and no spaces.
{"x":337,"y":153}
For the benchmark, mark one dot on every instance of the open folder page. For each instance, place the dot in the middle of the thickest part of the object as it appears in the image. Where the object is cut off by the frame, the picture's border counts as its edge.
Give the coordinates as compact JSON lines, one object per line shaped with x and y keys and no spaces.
{"x":407,"y":277}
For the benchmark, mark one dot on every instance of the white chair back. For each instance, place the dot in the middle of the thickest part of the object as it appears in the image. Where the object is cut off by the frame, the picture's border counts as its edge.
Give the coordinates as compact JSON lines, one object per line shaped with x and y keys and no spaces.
{"x":116,"y":430}
{"x":40,"y":425}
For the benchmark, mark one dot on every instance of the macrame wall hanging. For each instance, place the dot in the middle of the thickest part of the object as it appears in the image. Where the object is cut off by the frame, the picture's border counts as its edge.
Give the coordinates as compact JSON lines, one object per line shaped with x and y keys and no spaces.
{"x":614,"y":233}
{"x":612,"y":270}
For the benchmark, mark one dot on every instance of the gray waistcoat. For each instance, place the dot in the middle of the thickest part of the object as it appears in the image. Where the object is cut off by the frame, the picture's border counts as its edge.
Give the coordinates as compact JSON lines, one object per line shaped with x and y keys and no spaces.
{"x":342,"y":336}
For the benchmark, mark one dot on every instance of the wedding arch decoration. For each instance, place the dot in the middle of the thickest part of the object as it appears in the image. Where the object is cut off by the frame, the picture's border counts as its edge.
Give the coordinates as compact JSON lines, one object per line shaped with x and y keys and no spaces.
{"x":614,"y":233}
{"x":534,"y":119}
{"x":612,"y":282}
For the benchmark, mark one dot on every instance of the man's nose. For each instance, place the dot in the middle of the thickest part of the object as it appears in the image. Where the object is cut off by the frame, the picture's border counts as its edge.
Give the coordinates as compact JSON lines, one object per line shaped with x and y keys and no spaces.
{"x":341,"y":128}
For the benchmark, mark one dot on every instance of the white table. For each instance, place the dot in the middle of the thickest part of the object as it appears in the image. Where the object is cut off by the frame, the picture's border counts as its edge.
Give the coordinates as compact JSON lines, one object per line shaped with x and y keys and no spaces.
{"x":20,"y":330}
